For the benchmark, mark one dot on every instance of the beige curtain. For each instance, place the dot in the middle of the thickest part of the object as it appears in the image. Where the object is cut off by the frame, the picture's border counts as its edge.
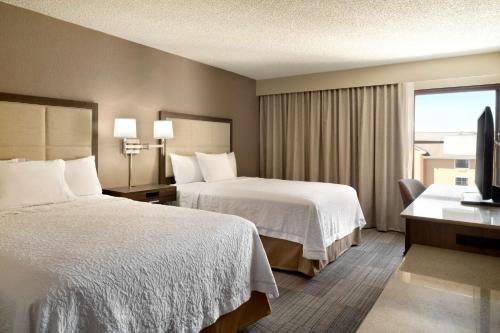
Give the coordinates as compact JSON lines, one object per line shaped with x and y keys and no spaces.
{"x":355,"y":136}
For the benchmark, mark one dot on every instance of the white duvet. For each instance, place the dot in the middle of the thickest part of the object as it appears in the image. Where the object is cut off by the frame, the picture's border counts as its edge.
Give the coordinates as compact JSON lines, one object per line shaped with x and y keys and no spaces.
{"x":114,"y":265}
{"x":312,"y":214}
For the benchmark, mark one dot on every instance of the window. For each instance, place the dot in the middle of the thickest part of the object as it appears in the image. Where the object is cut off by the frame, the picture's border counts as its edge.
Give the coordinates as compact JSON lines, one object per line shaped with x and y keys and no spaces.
{"x":461,"y":164}
{"x":462,"y":181}
{"x":445,"y":132}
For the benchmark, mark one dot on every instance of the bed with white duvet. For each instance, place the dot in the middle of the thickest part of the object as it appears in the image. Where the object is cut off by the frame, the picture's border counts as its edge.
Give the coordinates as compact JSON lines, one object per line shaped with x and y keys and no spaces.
{"x":312,"y":214}
{"x":103,"y":264}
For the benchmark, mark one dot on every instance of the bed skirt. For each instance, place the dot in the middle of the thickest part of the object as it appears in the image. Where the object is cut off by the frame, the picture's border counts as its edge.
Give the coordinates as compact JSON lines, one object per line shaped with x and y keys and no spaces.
{"x":287,"y":255}
{"x":248,"y":313}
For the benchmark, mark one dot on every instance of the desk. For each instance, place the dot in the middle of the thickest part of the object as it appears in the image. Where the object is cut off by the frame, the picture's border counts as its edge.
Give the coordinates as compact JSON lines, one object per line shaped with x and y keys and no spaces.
{"x":439,"y":290}
{"x":437,"y":218}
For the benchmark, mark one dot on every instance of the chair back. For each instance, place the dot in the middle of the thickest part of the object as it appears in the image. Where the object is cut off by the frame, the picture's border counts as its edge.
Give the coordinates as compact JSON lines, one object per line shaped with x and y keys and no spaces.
{"x":410,"y":190}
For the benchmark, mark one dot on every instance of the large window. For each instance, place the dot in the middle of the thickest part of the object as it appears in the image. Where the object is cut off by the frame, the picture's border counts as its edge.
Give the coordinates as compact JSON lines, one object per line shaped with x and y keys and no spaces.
{"x":445,"y":133}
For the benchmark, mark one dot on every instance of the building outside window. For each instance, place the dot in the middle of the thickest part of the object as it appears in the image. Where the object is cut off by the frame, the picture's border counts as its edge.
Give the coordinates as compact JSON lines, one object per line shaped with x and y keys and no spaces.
{"x":461,"y":181}
{"x":445,"y":133}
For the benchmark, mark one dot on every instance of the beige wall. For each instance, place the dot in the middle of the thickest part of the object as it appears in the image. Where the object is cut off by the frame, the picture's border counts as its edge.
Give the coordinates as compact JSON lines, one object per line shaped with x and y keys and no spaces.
{"x":47,"y":57}
{"x":476,"y":69}
{"x":442,"y":171}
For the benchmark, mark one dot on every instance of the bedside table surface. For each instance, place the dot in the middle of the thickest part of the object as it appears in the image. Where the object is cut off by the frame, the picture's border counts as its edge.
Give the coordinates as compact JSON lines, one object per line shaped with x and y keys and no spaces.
{"x":138,"y":188}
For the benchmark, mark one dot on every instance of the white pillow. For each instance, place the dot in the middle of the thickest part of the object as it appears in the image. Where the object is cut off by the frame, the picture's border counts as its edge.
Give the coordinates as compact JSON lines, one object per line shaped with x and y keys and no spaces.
{"x":81,"y":176}
{"x":186,"y":169}
{"x":33,"y":183}
{"x":215,"y":166}
{"x":232,"y":160}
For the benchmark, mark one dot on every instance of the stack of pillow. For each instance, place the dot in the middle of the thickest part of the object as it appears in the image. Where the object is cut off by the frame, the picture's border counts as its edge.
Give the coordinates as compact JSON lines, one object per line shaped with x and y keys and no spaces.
{"x":203,"y":167}
{"x":28,"y":183}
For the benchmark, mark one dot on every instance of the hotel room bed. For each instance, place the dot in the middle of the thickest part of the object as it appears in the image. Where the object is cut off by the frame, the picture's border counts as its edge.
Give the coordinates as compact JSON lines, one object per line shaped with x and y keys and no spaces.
{"x":303,"y":225}
{"x":107,"y":264}
{"x":72,"y":259}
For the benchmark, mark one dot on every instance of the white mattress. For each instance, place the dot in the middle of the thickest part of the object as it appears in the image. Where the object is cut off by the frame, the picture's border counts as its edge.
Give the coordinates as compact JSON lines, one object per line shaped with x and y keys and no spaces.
{"x":312,"y":214}
{"x":106,"y":264}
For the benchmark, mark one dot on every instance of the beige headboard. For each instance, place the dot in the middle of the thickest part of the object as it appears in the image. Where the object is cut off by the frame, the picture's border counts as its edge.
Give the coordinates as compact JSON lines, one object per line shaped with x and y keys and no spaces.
{"x":40,"y":128}
{"x":194,"y":134}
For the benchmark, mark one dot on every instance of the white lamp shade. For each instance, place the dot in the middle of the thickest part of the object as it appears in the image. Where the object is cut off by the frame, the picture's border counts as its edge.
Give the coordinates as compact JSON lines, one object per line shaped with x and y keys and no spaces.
{"x":125,"y":128}
{"x":163,"y":129}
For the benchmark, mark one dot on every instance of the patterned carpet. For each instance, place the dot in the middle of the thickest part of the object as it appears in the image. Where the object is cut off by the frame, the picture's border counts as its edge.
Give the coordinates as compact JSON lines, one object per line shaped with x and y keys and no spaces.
{"x":338,"y":298}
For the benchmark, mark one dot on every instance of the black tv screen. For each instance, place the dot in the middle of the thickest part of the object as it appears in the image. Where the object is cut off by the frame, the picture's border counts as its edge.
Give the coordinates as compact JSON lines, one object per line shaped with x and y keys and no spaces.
{"x":484,"y":153}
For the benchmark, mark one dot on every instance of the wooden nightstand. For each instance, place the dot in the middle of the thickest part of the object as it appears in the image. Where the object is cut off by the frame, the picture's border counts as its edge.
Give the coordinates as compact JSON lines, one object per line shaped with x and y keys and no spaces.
{"x":154,"y":193}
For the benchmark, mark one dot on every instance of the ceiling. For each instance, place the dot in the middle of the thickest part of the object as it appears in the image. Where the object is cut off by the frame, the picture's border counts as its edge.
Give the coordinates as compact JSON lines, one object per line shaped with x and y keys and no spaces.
{"x":275,"y":38}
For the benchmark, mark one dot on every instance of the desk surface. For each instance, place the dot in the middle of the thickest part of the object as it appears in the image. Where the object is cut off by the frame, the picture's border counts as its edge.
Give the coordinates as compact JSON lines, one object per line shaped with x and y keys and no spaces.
{"x":439,"y":290}
{"x":441,"y":203}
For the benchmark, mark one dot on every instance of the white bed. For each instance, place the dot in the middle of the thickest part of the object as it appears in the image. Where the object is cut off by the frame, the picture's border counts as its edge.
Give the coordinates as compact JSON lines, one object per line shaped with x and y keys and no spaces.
{"x":109,"y":264}
{"x":73,"y":260}
{"x":303,"y":225}
{"x":314,"y":215}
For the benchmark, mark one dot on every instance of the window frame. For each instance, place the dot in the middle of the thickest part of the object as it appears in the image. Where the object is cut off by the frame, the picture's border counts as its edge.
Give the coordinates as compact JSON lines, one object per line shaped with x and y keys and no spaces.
{"x":445,"y":90}
{"x":461,"y":159}
{"x":461,"y":178}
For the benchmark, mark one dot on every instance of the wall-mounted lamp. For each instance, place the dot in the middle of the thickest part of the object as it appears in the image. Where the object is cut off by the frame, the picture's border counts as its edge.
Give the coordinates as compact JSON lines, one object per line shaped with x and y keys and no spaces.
{"x":162,"y":130}
{"x":126,"y":129}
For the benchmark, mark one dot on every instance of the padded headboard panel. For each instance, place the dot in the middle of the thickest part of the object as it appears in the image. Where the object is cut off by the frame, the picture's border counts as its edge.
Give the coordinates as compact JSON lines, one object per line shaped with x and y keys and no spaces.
{"x":194,"y":134}
{"x":39,"y":128}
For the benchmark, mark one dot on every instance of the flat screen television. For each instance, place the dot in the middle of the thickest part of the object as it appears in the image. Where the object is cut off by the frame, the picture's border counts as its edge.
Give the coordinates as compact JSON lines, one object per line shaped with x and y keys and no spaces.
{"x":485,"y":146}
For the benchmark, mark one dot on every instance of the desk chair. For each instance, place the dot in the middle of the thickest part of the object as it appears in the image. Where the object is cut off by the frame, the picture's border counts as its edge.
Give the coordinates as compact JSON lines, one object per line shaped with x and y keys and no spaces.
{"x":410,"y":190}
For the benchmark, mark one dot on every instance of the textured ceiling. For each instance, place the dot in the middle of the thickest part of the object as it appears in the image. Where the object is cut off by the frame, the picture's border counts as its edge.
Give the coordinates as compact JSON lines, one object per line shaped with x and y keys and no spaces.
{"x":274,"y":38}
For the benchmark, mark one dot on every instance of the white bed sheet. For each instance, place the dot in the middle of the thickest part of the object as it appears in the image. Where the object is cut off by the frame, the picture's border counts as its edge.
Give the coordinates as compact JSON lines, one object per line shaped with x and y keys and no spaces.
{"x":310,"y":213}
{"x":104,"y":264}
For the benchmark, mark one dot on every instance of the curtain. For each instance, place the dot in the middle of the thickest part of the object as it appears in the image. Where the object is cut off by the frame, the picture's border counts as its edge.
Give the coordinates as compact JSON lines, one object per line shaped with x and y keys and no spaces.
{"x":355,"y":136}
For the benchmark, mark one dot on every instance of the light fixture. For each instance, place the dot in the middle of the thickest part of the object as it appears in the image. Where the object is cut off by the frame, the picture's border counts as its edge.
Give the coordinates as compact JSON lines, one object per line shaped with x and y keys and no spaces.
{"x":126,"y":129}
{"x":162,"y":130}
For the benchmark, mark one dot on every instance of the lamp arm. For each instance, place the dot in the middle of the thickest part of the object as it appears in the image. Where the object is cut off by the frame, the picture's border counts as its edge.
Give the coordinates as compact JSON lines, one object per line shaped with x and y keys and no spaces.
{"x":162,"y":146}
{"x":134,"y":146}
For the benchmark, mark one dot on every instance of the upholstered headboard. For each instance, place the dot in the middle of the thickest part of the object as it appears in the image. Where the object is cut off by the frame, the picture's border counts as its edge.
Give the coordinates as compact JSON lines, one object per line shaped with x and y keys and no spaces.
{"x":41,"y":128}
{"x":194,"y":134}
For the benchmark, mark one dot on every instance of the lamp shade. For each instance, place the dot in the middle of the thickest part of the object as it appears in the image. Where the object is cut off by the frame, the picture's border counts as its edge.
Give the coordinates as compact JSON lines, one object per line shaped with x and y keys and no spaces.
{"x":163,"y":129}
{"x":125,"y":128}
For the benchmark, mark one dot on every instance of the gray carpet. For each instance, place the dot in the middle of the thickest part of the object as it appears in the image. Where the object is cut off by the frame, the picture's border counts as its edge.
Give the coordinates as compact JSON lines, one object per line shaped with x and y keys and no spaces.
{"x":340,"y":296}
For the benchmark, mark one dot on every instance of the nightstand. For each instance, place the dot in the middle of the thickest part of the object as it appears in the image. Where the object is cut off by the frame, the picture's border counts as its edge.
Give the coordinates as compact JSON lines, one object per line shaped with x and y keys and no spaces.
{"x":154,"y":193}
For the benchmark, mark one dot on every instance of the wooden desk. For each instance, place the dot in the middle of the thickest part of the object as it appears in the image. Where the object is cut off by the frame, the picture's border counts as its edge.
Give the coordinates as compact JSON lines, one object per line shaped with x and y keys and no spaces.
{"x":437,"y":218}
{"x":439,"y":290}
